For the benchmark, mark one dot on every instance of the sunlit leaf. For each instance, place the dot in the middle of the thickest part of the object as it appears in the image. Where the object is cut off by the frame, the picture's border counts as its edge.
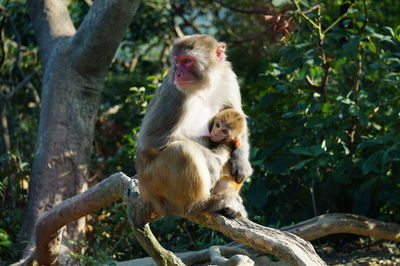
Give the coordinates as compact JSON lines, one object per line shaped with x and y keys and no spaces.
{"x":278,"y":3}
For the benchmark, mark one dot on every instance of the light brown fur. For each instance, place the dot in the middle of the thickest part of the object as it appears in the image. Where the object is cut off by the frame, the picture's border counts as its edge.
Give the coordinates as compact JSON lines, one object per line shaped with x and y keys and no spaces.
{"x":234,"y":123}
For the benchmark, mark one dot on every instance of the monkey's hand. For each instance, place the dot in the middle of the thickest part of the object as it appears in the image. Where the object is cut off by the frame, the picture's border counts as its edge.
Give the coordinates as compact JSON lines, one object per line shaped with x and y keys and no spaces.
{"x":240,"y":166}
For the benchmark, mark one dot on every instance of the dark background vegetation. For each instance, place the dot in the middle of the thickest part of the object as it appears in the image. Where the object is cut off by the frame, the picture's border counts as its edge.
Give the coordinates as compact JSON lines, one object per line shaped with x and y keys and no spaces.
{"x":322,"y":95}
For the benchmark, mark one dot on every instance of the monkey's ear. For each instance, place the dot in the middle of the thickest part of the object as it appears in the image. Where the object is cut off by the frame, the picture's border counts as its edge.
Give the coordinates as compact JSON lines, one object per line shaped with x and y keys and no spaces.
{"x":221,"y":47}
{"x":237,"y":142}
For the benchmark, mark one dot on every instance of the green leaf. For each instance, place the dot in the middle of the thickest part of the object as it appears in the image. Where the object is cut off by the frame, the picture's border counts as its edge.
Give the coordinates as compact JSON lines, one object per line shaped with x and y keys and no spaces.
{"x":397,"y":31}
{"x":352,"y":44}
{"x":372,"y":47}
{"x":4,"y":238}
{"x":369,"y":143}
{"x":4,"y":157}
{"x":278,"y":3}
{"x":363,"y":119}
{"x":344,"y":179}
{"x":353,"y":110}
{"x":313,"y":150}
{"x":390,"y":30}
{"x":315,"y":122}
{"x":301,"y":164}
{"x":281,"y":165}
{"x":370,"y":164}
{"x":327,"y":108}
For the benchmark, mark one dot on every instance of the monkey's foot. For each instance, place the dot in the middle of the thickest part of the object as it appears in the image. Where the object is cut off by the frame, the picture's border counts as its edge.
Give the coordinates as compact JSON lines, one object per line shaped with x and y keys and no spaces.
{"x":229,"y":205}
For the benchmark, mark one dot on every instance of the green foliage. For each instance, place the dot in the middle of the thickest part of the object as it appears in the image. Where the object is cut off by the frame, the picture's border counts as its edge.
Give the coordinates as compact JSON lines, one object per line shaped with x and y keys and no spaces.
{"x":325,"y":121}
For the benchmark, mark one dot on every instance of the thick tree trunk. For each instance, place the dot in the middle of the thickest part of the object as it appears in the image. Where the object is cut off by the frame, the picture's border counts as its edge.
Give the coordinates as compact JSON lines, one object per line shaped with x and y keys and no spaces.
{"x":74,"y":65}
{"x":67,"y":118}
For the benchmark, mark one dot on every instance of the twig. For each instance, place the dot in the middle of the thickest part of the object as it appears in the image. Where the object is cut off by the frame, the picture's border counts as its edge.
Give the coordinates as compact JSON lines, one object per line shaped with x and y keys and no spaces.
{"x":338,"y":19}
{"x":357,"y":81}
{"x":296,"y":3}
{"x":321,"y":36}
{"x":19,"y":45}
{"x":20,"y":85}
{"x":3,"y":23}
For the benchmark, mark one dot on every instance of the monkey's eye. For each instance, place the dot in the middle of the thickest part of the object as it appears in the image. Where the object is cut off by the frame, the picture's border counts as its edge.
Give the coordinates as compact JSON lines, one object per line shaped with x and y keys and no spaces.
{"x":225,"y":131}
{"x":217,"y":125}
{"x":187,"y":60}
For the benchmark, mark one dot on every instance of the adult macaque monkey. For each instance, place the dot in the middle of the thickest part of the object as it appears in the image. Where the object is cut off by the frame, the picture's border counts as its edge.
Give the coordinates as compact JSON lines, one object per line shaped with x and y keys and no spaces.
{"x":177,"y":171}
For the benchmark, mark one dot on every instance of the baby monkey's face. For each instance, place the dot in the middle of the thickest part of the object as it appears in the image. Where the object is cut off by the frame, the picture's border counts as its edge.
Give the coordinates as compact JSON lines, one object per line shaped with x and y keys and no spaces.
{"x":220,"y":131}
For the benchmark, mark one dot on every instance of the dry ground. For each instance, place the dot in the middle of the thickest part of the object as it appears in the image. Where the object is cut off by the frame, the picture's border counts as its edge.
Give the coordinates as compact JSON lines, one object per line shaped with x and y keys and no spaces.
{"x":364,"y":251}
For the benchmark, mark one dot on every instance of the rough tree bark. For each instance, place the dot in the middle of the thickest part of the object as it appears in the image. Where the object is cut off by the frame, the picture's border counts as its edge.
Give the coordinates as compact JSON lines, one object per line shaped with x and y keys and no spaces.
{"x":74,"y":66}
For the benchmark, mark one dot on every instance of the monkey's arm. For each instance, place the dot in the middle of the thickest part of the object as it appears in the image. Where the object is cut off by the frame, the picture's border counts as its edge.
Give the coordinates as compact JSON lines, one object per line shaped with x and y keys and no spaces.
{"x":239,"y":160}
{"x":161,"y":118}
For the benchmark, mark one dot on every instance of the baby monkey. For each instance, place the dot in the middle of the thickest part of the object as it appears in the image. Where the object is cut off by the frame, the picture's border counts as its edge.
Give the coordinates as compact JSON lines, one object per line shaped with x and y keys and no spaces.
{"x":227,"y":128}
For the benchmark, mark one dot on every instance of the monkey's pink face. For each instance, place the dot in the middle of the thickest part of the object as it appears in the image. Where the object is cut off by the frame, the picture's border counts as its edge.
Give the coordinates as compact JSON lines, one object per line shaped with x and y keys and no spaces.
{"x":219,"y":132}
{"x":184,"y":73}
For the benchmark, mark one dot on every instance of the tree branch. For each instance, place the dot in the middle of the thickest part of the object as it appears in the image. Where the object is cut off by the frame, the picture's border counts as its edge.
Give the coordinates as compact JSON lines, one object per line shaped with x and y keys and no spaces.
{"x":336,"y":223}
{"x":51,"y":21}
{"x":287,"y":246}
{"x":48,"y":227}
{"x":100,"y":33}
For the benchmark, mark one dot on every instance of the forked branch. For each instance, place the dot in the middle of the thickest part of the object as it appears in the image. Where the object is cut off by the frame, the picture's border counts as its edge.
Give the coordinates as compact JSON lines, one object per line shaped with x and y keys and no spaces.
{"x":99,"y":35}
{"x":51,"y":21}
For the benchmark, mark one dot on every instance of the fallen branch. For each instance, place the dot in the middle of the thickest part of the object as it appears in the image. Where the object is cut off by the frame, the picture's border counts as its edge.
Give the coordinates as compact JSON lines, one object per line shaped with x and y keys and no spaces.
{"x":266,"y":240}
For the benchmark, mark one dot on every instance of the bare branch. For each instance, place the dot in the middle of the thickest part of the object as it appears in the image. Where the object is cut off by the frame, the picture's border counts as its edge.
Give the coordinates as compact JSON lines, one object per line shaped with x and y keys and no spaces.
{"x":51,"y":21}
{"x":100,"y":33}
{"x":20,"y":85}
{"x":336,"y":223}
{"x":287,"y":246}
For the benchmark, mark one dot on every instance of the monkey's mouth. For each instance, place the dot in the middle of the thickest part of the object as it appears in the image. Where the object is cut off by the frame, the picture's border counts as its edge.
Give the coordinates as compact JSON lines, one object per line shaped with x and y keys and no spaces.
{"x":183,"y":84}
